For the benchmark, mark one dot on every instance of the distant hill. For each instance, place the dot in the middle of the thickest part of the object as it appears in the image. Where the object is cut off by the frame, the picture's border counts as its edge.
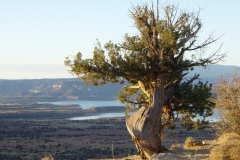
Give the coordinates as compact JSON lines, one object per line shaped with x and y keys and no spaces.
{"x":55,"y":89}
{"x":213,"y":72}
{"x":74,"y":89}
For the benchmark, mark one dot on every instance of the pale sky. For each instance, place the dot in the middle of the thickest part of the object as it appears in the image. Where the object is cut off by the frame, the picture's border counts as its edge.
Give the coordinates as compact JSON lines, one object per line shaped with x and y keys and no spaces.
{"x":37,"y":35}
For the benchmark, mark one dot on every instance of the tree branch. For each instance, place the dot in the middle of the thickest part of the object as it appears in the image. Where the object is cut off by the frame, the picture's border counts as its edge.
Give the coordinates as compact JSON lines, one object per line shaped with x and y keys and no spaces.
{"x":185,"y":40}
{"x":190,"y":81}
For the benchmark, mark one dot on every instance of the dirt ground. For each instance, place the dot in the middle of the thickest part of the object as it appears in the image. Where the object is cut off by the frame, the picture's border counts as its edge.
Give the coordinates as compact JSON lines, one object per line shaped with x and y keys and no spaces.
{"x":174,"y":141}
{"x":86,"y":139}
{"x":64,"y":139}
{"x":27,"y":133}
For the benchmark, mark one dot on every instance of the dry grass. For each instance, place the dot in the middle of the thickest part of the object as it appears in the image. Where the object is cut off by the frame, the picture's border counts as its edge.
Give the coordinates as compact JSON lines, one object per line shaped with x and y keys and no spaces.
{"x":190,"y":142}
{"x":175,"y":146}
{"x":228,"y":148}
{"x":49,"y":157}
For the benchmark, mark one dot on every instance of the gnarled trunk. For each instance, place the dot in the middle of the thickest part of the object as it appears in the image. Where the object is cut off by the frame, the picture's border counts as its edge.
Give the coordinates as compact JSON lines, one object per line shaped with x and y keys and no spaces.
{"x":145,"y":125}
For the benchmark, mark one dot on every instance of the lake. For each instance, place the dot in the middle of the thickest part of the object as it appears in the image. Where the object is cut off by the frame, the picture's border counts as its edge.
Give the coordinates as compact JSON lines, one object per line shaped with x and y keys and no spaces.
{"x":89,"y":104}
{"x":104,"y":115}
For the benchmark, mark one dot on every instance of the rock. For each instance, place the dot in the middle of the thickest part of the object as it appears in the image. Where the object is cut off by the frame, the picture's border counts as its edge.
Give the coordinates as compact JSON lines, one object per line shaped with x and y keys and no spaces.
{"x":205,"y":142}
{"x":175,"y":146}
{"x":164,"y":156}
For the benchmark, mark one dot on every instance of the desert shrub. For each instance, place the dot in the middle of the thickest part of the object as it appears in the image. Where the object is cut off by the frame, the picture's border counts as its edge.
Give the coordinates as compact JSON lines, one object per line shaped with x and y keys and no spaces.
{"x":205,"y":142}
{"x":228,"y":104}
{"x":49,"y":157}
{"x":175,"y":146}
{"x":228,"y":107}
{"x":226,"y":152}
{"x":235,"y":152}
{"x":228,"y":148}
{"x":190,"y":142}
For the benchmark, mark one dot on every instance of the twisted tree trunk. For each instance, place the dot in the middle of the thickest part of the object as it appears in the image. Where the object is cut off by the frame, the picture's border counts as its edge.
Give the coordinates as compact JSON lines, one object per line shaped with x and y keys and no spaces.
{"x":145,"y":125}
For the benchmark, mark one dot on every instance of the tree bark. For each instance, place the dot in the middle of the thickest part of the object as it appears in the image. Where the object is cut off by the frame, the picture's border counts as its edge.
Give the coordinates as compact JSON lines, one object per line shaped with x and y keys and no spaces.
{"x":145,"y":125}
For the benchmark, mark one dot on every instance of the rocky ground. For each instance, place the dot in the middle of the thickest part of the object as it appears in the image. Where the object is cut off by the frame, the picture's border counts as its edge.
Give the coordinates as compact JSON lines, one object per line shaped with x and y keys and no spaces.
{"x":36,"y":135}
{"x":202,"y":151}
{"x":174,"y":141}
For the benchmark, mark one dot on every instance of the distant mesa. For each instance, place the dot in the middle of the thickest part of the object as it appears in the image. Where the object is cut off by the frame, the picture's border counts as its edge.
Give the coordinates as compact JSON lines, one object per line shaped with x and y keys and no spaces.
{"x":46,"y":90}
{"x":103,"y":109}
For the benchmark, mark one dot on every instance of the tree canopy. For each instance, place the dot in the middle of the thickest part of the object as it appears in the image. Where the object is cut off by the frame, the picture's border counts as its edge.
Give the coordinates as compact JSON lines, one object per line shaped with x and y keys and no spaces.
{"x":155,"y":65}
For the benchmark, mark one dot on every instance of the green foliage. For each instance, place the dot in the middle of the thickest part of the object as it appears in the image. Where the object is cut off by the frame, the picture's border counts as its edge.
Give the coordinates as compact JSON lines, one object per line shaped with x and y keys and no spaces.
{"x":199,"y":103}
{"x":132,"y":97}
{"x":199,"y":95}
{"x":154,"y":58}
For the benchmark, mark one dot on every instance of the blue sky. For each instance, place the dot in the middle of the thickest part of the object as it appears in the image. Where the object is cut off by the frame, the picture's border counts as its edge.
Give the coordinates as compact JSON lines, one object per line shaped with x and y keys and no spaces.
{"x":37,"y":35}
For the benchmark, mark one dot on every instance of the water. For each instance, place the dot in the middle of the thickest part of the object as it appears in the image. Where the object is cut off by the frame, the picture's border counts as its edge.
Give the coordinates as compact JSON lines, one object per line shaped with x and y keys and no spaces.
{"x":104,"y":115}
{"x":89,"y":104}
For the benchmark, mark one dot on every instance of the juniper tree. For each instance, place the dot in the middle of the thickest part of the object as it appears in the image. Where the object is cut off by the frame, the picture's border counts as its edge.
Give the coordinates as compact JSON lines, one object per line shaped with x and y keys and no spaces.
{"x":154,"y":64}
